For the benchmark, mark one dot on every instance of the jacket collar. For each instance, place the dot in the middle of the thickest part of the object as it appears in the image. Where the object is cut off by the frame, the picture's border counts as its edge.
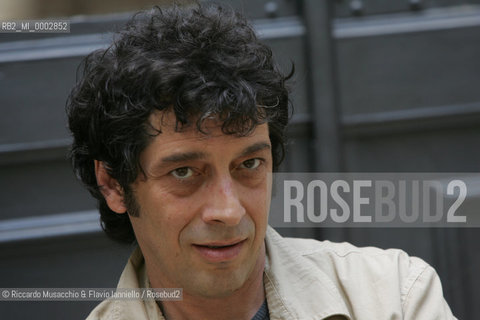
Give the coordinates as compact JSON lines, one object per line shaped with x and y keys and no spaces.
{"x":135,"y":276}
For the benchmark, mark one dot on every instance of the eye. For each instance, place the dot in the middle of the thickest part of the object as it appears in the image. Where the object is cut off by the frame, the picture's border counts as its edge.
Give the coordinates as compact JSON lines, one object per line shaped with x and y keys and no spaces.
{"x":251,"y":163}
{"x":182,"y":173}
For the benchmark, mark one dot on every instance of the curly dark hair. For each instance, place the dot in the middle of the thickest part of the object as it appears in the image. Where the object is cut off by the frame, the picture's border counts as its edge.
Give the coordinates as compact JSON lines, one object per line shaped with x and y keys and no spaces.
{"x":199,"y":61}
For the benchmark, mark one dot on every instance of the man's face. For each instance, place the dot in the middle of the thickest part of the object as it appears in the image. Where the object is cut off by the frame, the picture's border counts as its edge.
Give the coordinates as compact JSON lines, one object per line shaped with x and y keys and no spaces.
{"x":204,"y":203}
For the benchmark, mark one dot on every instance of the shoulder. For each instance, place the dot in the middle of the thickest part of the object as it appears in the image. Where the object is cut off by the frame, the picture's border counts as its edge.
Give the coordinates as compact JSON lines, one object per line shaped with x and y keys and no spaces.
{"x":352,"y":266}
{"x":381,"y":280}
{"x":344,"y":252}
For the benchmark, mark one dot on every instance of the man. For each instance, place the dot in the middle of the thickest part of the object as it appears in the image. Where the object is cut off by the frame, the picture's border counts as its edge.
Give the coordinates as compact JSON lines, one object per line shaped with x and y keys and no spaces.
{"x":177,"y":128}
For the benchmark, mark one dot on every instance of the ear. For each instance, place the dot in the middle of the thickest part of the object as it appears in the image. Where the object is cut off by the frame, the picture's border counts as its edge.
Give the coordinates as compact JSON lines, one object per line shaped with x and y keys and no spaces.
{"x":110,"y":188}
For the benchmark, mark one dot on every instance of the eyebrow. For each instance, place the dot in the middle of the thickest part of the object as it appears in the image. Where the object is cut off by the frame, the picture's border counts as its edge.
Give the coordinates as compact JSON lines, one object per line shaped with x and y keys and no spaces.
{"x":191,"y":156}
{"x":183,"y":156}
{"x":259,"y":146}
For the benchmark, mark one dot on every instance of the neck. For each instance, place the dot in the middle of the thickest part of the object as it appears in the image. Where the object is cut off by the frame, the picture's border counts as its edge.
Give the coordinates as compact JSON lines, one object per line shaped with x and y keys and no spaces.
{"x":241,"y":305}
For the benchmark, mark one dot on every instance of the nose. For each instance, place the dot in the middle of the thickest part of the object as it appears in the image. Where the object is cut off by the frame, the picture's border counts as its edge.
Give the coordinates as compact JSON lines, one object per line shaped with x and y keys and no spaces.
{"x":223,"y":203}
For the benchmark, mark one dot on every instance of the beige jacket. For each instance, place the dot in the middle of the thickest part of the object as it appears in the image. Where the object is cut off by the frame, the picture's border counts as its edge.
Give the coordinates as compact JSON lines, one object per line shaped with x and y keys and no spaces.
{"x":308,"y":279}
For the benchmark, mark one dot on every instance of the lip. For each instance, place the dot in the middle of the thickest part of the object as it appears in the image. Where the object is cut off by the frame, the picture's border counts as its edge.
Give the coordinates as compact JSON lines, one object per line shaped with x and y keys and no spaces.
{"x":228,"y":250}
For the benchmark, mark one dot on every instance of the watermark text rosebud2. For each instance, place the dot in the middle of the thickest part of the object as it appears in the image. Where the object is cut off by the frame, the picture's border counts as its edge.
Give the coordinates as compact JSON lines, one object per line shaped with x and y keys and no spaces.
{"x":375,"y":200}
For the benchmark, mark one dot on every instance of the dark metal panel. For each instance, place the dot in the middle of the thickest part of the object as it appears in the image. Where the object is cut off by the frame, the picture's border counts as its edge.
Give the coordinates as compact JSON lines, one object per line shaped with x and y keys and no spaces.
{"x":322,"y":89}
{"x":27,"y":152}
{"x":289,"y":51}
{"x":298,"y":155}
{"x":428,"y":20}
{"x":32,"y":99}
{"x":452,"y":150}
{"x":419,"y":119}
{"x":449,"y":259}
{"x":94,"y":259}
{"x":40,"y":188}
{"x":89,"y":261}
{"x":346,"y":8}
{"x":467,"y":279}
{"x":48,"y":226}
{"x":46,"y":310}
{"x":409,"y":70}
{"x":299,"y":158}
{"x":264,"y":8}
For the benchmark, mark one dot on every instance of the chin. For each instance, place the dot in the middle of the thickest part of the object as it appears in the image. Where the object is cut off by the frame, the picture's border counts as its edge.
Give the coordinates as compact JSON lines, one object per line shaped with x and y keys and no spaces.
{"x":220,"y":286}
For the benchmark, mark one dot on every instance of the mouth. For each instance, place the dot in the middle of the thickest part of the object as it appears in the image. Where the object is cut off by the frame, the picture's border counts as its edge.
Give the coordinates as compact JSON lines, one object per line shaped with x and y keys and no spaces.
{"x":220,"y":251}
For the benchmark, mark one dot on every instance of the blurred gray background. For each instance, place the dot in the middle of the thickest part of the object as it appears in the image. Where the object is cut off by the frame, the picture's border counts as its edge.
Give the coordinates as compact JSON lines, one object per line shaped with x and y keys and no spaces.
{"x":380,"y":86}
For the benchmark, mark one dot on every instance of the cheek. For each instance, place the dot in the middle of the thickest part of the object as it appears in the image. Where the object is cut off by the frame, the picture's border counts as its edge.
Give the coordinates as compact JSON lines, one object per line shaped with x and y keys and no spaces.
{"x":162,"y":217}
{"x":257,"y":201}
{"x":176,"y":215}
{"x":162,"y":205}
